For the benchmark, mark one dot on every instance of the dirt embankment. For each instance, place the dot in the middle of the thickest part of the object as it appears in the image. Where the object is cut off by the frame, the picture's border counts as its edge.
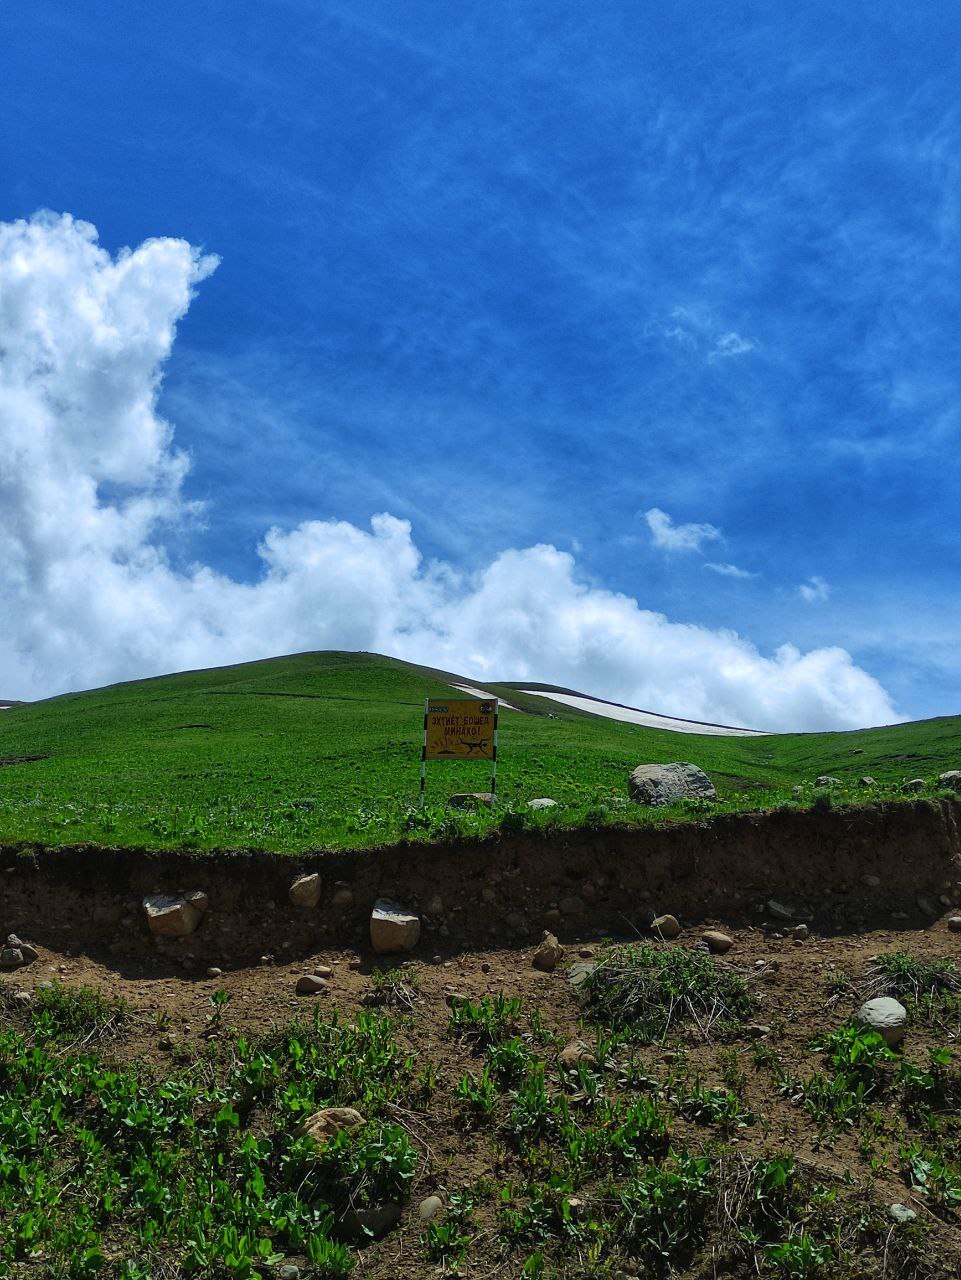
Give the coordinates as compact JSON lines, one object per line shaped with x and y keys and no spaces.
{"x":840,"y":868}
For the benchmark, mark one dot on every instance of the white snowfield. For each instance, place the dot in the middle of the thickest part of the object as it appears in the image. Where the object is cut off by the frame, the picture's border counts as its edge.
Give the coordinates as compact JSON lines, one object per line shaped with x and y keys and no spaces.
{"x":631,"y":715}
{"x":484,"y":693}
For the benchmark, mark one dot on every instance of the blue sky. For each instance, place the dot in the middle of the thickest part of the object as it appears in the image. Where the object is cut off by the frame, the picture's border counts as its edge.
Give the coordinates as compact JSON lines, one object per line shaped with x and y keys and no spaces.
{"x":598,"y":260}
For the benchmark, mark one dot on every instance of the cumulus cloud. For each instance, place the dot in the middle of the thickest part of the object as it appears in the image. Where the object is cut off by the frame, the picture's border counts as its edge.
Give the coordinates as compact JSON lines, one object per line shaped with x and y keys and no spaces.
{"x":91,"y":484}
{"x":814,"y":591}
{"x":678,"y":537}
{"x":729,"y":570}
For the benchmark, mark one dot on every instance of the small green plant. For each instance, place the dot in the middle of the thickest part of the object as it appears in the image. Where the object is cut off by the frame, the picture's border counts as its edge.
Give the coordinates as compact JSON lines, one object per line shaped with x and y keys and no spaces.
{"x":484,"y":1022}
{"x":78,"y":1015}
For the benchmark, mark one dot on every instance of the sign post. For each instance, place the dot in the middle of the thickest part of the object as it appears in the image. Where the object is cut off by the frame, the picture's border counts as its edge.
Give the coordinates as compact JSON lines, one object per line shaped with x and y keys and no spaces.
{"x":459,"y":729}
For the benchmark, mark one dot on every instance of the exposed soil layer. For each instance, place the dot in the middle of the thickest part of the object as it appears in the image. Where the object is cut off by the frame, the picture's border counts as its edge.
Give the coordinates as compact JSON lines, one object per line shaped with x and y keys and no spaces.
{"x":872,"y":867}
{"x":171,"y":1017}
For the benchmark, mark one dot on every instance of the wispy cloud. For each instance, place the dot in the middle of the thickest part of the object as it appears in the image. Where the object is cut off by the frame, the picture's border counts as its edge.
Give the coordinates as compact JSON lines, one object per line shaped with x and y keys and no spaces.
{"x":729,"y":570}
{"x":814,"y":591}
{"x":731,"y":344}
{"x":678,"y":537}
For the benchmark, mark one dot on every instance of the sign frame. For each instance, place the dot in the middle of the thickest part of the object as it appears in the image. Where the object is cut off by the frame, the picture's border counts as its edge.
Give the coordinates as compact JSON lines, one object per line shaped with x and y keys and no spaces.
{"x":463,"y":718}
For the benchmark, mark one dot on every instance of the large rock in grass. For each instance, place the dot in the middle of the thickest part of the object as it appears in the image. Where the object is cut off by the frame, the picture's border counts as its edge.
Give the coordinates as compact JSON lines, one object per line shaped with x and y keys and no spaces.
{"x":950,"y":780}
{"x":393,"y":928}
{"x":656,"y":784}
{"x":887,"y":1016}
{"x":174,"y":915}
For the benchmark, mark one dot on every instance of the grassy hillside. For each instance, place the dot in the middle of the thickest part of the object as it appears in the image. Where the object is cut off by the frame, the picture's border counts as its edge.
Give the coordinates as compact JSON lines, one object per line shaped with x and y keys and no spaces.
{"x":322,"y":749}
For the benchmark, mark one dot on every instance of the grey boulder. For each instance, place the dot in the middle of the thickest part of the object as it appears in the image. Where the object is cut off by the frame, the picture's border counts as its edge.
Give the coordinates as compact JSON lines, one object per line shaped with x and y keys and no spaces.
{"x":885,"y":1015}
{"x":656,"y":784}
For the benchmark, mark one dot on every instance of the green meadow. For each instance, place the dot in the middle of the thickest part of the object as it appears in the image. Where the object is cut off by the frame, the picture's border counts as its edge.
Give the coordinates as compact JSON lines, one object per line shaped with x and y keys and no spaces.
{"x":322,"y":750}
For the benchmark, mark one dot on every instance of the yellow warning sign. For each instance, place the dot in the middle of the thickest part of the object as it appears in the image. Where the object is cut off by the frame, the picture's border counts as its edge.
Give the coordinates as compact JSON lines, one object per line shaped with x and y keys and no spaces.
{"x":460,"y":729}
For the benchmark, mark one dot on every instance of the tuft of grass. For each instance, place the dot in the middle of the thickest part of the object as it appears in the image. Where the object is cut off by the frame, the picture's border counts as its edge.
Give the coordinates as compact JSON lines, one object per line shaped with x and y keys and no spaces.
{"x":649,"y":991}
{"x":898,"y":974}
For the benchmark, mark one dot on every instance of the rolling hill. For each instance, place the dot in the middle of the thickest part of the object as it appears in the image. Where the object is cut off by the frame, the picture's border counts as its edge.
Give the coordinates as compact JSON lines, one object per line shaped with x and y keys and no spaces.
{"x":323,"y":750}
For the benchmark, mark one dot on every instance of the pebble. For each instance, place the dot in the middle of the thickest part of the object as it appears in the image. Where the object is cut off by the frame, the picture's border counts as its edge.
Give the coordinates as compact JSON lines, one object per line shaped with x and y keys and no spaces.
{"x":548,"y":954}
{"x":666,"y":926}
{"x":429,"y":1208}
{"x":901,"y":1213}
{"x":801,"y":933}
{"x":718,"y":942}
{"x":954,"y":924}
{"x":871,"y":882}
{"x":310,"y":984}
{"x":288,"y":1272}
{"x":214,"y":972}
{"x":355,"y":962}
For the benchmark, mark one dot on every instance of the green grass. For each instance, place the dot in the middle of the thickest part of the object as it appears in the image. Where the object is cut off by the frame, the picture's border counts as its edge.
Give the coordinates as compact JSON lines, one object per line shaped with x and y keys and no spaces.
{"x":323,"y":750}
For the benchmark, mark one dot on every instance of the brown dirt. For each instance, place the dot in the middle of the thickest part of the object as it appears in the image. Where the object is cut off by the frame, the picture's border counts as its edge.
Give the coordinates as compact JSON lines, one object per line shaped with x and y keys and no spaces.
{"x":82,"y":909}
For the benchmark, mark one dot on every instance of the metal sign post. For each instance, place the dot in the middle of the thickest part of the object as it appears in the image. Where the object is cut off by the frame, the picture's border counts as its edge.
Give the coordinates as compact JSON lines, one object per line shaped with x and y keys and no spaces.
{"x":459,"y":729}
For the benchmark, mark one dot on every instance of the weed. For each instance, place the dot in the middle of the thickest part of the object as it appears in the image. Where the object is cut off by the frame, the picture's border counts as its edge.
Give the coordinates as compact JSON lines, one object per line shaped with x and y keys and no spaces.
{"x":648,"y":991}
{"x":488,"y":1021}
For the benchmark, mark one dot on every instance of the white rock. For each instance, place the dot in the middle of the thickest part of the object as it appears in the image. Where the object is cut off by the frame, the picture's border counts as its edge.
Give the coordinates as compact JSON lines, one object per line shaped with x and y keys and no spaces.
{"x":305,"y":891}
{"x":885,"y":1015}
{"x":393,"y":927}
{"x":542,"y":802}
{"x":171,"y":916}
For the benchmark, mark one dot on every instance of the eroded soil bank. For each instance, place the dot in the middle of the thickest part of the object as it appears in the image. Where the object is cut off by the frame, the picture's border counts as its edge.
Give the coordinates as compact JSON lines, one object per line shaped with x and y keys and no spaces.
{"x":841,"y":869}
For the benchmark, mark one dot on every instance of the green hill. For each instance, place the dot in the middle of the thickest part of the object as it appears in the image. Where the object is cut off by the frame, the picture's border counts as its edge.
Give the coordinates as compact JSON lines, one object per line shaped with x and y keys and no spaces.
{"x":323,"y":750}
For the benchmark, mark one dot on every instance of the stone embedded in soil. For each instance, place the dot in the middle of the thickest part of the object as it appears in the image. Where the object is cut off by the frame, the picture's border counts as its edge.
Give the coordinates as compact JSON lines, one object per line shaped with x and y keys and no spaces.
{"x":954,"y":924}
{"x":717,"y":942}
{"x":867,"y":781}
{"x":214,"y":972}
{"x":657,"y":784}
{"x":826,"y":780}
{"x":576,"y":1051}
{"x":572,"y":906}
{"x":542,"y":802}
{"x":429,"y":1208}
{"x":913,"y":784}
{"x":927,"y":905}
{"x":666,"y":926}
{"x":11,"y":958}
{"x":29,"y":953}
{"x":311,"y":984}
{"x":171,"y":916}
{"x":323,"y":1124}
{"x":548,"y":954}
{"x":580,"y":971}
{"x":901,"y":1213}
{"x":779,"y":910}
{"x":393,"y":928}
{"x":885,"y":1015}
{"x":471,"y":799}
{"x":343,"y":896}
{"x":871,"y":882}
{"x":305,"y":891}
{"x":950,"y":780}
{"x":800,"y":933}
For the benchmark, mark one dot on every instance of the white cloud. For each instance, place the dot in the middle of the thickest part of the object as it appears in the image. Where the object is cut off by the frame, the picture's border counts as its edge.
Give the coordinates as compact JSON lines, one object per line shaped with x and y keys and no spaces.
{"x":814,"y":591}
{"x":90,"y":479}
{"x":678,"y":537}
{"x":729,"y":570}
